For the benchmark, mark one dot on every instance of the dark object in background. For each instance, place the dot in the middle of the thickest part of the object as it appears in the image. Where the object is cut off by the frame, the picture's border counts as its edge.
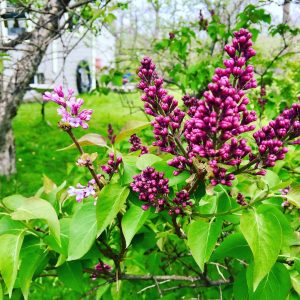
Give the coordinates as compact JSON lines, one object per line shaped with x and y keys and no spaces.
{"x":83,"y":77}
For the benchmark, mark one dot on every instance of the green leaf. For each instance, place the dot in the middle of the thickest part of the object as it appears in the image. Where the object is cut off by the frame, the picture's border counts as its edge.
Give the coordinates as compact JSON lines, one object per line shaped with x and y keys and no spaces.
{"x":293,"y":196}
{"x":202,"y":237}
{"x":147,"y":160}
{"x":70,"y":273}
{"x":275,"y":285}
{"x":111,"y":199}
{"x":130,"y":128}
{"x":263,"y":232}
{"x":132,"y":221}
{"x":295,"y":278}
{"x":240,"y":288}
{"x":130,"y":169}
{"x":7,"y":225}
{"x":9,"y":258}
{"x":271,"y":178}
{"x":34,"y":208}
{"x":32,"y":253}
{"x":83,"y":231}
{"x":90,"y":139}
{"x":234,"y":246}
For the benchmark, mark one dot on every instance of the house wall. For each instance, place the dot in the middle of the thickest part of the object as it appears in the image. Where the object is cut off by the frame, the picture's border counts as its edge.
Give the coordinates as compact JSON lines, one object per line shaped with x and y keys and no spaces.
{"x":63,"y":56}
{"x":59,"y":64}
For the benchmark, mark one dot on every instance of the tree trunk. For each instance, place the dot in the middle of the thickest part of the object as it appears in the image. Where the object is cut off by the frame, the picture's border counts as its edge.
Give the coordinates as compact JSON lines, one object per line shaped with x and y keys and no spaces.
{"x":23,"y":70}
{"x":286,"y":11}
{"x":7,"y":146}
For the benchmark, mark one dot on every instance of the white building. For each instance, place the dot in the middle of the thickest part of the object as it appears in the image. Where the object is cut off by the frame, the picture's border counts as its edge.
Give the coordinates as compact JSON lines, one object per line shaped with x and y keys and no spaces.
{"x":74,"y":60}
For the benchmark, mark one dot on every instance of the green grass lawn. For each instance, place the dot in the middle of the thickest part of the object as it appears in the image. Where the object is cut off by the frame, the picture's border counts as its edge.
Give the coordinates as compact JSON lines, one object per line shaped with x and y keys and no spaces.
{"x":37,"y":142}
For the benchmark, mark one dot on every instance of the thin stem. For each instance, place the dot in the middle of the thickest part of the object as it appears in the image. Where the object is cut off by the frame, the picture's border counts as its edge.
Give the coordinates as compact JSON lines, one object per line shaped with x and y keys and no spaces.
{"x":251,"y":163}
{"x":178,"y":229}
{"x":89,"y":166}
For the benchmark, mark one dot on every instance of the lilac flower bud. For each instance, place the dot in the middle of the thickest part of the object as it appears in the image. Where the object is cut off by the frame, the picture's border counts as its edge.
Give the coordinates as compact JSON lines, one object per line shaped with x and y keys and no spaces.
{"x":110,"y":134}
{"x":241,"y":200}
{"x":101,"y":268}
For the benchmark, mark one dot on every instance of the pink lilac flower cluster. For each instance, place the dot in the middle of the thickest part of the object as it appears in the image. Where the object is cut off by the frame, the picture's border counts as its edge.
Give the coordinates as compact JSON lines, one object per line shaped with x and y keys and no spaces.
{"x":81,"y":192}
{"x":216,"y":122}
{"x":69,"y":108}
{"x":153,"y":188}
{"x":110,"y":134}
{"x":101,"y":268}
{"x":221,"y":116}
{"x":181,"y":201}
{"x":168,"y":117}
{"x":136,"y":143}
{"x":112,"y":164}
{"x":272,"y":138}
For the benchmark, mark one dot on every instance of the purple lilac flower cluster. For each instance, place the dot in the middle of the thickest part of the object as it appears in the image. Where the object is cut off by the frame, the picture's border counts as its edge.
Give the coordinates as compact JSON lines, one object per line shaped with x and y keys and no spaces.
{"x":217,"y":121}
{"x":101,"y":268}
{"x":112,"y":164}
{"x":168,"y":117}
{"x":153,"y":188}
{"x":181,"y":201}
{"x":81,"y":192}
{"x":221,"y":116}
{"x":69,"y":110}
{"x":136,"y":143}
{"x":271,"y":138}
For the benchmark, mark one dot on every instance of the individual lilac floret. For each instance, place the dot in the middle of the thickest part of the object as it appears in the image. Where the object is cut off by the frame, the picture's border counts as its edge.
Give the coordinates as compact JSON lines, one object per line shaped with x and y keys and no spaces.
{"x":110,"y":134}
{"x":81,"y":191}
{"x":112,"y":164}
{"x":69,"y":110}
{"x":168,"y":117}
{"x":181,"y":201}
{"x":101,"y":268}
{"x":152,"y":188}
{"x":136,"y":143}
{"x":272,"y":138}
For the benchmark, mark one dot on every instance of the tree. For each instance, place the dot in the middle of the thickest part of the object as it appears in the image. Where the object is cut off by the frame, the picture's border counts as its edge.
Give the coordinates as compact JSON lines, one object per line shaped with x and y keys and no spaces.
{"x":49,"y":23}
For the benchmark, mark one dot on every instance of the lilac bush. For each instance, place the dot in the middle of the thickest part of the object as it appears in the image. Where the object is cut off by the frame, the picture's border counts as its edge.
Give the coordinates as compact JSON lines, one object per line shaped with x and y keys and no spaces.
{"x":203,"y":209}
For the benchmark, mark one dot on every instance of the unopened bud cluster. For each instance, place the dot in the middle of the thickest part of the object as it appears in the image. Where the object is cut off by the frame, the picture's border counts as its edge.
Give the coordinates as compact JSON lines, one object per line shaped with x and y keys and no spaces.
{"x":216,"y":122}
{"x":101,"y":268}
{"x":112,"y":164}
{"x":168,"y":117}
{"x":136,"y":143}
{"x":153,"y":188}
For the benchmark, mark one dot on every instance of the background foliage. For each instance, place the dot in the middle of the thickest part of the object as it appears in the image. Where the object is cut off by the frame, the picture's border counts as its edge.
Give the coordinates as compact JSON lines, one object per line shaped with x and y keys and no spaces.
{"x":50,"y":244}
